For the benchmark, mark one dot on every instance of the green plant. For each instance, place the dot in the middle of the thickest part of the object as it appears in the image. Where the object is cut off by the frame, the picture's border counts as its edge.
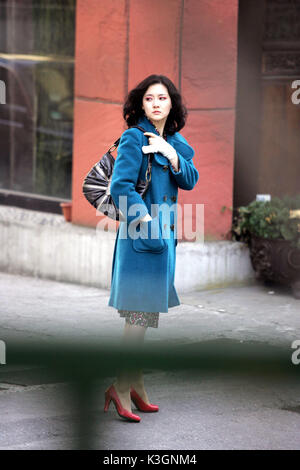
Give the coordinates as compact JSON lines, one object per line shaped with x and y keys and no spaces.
{"x":270,"y":219}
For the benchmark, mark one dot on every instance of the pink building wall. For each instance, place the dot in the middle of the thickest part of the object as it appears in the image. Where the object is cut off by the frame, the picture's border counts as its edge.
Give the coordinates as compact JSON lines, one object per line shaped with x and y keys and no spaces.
{"x":193,"y":42}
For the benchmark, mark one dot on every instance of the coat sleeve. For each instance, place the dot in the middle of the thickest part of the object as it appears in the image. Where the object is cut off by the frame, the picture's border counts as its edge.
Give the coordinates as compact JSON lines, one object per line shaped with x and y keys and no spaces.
{"x":187,"y":174}
{"x":125,"y":176}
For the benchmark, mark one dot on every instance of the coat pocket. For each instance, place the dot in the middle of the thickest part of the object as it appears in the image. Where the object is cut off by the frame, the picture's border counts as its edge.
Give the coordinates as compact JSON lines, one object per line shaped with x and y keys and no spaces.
{"x":150,"y":237}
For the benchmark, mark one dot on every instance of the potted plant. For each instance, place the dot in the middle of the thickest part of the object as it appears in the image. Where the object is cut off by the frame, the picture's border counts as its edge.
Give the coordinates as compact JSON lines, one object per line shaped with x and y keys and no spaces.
{"x":271,"y":229}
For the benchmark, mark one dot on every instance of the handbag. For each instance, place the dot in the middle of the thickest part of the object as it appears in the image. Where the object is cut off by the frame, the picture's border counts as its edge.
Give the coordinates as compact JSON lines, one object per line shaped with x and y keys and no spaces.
{"x":96,"y":184}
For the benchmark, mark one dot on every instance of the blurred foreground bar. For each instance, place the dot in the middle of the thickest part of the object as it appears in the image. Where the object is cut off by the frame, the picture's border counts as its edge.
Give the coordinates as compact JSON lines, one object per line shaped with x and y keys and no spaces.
{"x":83,"y":364}
{"x":83,"y":360}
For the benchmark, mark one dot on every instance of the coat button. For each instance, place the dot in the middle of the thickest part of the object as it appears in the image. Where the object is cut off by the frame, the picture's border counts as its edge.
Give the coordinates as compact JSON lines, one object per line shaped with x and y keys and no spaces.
{"x":172,"y":227}
{"x":173,"y":198}
{"x":165,"y":167}
{"x":165,"y":197}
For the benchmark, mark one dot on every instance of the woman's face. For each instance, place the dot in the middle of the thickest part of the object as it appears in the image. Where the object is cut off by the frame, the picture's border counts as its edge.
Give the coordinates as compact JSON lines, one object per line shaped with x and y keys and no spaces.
{"x":157,"y":102}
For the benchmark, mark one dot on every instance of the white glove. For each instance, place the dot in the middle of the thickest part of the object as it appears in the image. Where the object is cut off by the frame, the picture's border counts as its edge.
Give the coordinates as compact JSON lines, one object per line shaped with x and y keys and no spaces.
{"x":146,"y":218}
{"x":159,"y":144}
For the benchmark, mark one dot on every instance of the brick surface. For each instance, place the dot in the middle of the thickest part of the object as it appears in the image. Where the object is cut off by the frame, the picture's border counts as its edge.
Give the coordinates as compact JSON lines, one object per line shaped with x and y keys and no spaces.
{"x":97,"y":126}
{"x":101,"y":37}
{"x":211,"y":134}
{"x":106,"y":64}
{"x":209,"y":53}
{"x":154,"y":39}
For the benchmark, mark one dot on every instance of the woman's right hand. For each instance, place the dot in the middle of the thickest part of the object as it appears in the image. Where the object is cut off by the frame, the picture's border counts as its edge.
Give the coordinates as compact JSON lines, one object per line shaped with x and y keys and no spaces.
{"x":146,"y":218}
{"x":150,"y":239}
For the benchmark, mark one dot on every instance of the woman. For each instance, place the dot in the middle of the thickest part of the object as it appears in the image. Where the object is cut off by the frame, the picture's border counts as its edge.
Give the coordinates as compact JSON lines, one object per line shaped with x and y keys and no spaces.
{"x":143,"y":265}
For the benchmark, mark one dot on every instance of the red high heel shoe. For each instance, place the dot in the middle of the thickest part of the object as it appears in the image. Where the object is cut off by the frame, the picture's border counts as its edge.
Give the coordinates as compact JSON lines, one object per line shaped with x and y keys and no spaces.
{"x":111,"y":394}
{"x":140,"y":404}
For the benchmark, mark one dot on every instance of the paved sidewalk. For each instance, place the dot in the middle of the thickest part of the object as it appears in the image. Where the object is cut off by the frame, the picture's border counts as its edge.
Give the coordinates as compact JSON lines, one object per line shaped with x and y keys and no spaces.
{"x":215,"y":411}
{"x":34,"y":308}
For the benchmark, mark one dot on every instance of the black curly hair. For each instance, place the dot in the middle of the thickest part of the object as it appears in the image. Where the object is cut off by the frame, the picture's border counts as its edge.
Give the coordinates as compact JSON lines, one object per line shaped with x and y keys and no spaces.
{"x":132,"y":109}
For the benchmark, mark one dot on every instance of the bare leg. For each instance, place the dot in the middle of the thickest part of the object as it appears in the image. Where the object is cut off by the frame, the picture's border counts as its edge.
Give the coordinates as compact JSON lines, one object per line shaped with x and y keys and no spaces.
{"x":137,"y":382}
{"x":133,"y":335}
{"x":135,"y":377}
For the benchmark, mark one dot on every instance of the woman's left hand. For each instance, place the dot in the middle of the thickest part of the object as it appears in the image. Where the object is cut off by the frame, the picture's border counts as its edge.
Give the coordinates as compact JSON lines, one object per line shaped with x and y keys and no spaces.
{"x":159,"y":144}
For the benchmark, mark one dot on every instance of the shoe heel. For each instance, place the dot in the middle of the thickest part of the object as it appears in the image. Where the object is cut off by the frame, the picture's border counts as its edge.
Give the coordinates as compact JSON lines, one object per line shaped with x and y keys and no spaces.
{"x":111,"y":395}
{"x":107,"y":401}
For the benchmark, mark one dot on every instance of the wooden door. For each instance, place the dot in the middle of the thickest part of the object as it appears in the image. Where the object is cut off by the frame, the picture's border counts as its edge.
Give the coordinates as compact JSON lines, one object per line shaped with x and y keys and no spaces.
{"x":267,"y":139}
{"x":279,"y":162}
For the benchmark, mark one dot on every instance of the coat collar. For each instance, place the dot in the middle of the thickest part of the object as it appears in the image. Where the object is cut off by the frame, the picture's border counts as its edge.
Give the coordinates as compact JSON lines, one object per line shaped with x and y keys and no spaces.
{"x":177,"y":141}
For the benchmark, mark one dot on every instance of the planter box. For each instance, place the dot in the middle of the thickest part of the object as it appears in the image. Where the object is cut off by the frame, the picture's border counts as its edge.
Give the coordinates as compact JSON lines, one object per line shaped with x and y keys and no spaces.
{"x":276,"y":260}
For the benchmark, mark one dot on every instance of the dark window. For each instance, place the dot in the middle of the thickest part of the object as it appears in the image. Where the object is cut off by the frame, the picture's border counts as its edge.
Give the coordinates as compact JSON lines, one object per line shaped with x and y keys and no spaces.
{"x":36,"y":123}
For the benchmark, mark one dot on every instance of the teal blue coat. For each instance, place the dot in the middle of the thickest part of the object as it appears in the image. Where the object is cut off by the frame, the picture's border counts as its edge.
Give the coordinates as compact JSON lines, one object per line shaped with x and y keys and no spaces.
{"x":143,"y":268}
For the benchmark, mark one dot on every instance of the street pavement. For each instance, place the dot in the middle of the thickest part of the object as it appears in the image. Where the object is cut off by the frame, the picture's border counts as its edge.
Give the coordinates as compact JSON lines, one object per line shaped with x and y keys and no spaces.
{"x":210,"y":409}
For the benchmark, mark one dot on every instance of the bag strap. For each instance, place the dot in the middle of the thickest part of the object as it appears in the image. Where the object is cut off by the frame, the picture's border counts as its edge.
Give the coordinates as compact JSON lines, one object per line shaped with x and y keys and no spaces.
{"x":150,"y":155}
{"x":150,"y":158}
{"x":116,"y":143}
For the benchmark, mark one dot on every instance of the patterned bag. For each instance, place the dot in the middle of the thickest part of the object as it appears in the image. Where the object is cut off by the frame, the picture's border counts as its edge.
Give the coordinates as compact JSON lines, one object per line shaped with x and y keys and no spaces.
{"x":96,"y":185}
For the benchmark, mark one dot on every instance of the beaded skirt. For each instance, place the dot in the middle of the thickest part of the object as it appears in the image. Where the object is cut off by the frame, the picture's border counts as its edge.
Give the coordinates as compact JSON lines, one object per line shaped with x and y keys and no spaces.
{"x":147,"y":319}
